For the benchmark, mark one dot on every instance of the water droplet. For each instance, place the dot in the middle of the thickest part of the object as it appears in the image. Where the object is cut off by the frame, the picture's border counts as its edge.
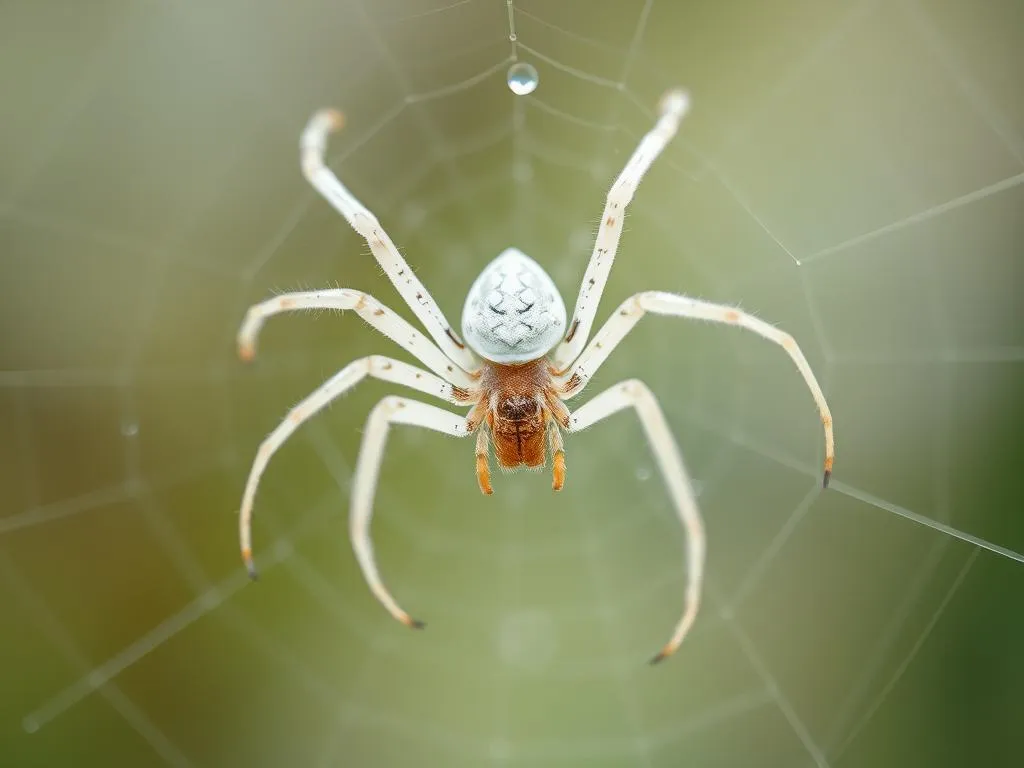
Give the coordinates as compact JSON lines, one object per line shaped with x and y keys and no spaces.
{"x":129,"y":428}
{"x":643,"y":474}
{"x":522,"y":78}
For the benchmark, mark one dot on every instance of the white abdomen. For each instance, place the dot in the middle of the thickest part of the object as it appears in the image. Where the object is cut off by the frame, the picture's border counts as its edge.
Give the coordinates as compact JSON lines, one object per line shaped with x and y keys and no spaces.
{"x":513,"y":311}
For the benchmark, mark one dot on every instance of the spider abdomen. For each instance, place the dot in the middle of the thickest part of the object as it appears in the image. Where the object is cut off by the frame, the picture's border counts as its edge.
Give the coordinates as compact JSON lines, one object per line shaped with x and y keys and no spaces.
{"x":513,"y":311}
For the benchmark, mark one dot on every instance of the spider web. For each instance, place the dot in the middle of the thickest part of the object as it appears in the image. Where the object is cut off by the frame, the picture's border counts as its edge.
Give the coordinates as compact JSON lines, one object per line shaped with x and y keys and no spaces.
{"x":851,"y":172}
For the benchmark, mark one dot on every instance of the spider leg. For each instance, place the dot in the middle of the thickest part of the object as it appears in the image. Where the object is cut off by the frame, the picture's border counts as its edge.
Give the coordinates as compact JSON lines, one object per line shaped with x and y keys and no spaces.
{"x":673,"y":107}
{"x":658,"y":302}
{"x":635,"y":394}
{"x":390,"y":410}
{"x":313,"y":144}
{"x":372,"y":311}
{"x":378,"y":367}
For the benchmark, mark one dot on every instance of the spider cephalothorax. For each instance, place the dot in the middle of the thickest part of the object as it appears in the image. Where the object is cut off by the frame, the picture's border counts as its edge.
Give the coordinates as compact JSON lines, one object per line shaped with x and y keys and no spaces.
{"x":521,"y":361}
{"x":520,"y":414}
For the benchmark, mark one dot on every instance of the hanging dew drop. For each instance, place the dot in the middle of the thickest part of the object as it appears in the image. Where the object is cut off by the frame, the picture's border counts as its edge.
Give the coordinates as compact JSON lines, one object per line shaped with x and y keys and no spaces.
{"x":522,"y":78}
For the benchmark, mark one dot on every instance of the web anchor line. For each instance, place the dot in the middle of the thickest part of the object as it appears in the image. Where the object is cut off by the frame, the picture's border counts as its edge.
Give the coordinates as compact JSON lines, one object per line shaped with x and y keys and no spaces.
{"x":856,"y":493}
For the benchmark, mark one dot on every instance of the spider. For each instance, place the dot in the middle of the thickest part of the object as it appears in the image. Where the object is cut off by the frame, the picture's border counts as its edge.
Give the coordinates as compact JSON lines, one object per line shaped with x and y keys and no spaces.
{"x":520,"y":361}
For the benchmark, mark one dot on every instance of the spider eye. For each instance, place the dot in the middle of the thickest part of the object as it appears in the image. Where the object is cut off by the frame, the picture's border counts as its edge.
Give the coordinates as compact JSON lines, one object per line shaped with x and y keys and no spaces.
{"x":518,"y":407}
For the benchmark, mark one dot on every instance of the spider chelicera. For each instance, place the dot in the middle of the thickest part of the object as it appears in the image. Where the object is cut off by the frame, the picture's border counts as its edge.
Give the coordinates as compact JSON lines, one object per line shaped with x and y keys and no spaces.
{"x":521,"y":360}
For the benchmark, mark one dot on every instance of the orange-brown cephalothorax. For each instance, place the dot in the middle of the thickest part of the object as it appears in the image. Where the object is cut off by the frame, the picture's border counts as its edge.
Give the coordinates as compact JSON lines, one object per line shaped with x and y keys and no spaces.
{"x":521,"y":411}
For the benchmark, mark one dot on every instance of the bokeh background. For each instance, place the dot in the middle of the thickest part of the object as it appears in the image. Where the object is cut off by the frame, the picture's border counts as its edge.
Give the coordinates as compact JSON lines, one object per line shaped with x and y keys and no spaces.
{"x":850,"y":171}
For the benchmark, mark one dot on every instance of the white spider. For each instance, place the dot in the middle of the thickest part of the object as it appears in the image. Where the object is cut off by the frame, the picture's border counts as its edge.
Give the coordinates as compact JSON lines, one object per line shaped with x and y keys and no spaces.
{"x":520,"y":362}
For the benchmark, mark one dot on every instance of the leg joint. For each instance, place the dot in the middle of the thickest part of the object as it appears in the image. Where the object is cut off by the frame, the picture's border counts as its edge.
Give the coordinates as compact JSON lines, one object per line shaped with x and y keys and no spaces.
{"x":636,"y":388}
{"x":620,"y":194}
{"x":640,"y":394}
{"x":386,"y":407}
{"x":375,"y":363}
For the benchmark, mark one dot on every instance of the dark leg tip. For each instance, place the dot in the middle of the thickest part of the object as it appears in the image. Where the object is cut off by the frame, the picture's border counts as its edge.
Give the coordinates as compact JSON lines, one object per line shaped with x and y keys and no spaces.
{"x":417,"y":624}
{"x":658,"y":659}
{"x":253,"y":573}
{"x":828,"y":476}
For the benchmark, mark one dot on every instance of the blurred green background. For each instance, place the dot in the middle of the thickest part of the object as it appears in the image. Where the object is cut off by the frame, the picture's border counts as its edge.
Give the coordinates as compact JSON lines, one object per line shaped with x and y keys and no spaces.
{"x":150,"y":191}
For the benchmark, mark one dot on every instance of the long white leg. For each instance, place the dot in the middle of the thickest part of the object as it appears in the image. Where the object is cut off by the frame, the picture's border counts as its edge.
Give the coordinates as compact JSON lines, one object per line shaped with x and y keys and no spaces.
{"x":313,"y":145}
{"x":376,"y":366}
{"x":673,"y":108}
{"x":390,"y":410}
{"x":635,"y":394}
{"x":658,"y":302}
{"x":372,"y":311}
